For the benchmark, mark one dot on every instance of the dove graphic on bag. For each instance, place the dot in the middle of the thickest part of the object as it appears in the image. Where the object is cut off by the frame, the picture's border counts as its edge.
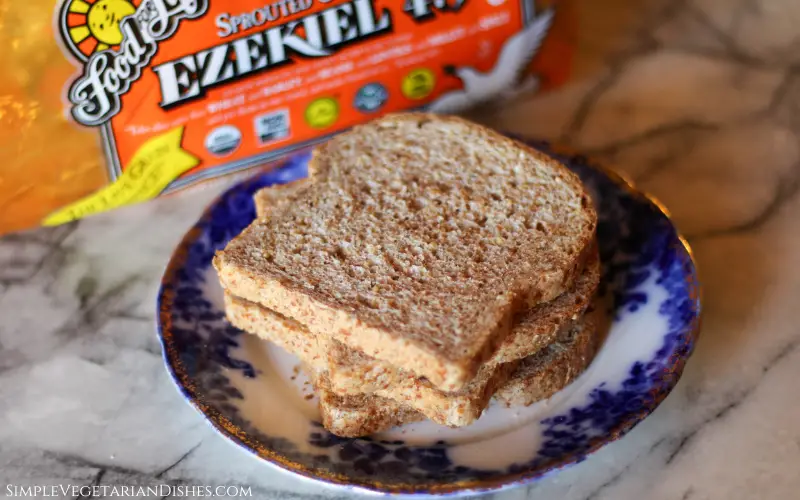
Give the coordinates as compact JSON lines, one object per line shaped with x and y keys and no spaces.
{"x":504,"y":78}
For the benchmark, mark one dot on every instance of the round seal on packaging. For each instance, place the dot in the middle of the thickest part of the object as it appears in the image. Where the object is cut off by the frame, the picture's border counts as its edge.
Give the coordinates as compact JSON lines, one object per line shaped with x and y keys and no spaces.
{"x":371,"y":97}
{"x":223,"y":140}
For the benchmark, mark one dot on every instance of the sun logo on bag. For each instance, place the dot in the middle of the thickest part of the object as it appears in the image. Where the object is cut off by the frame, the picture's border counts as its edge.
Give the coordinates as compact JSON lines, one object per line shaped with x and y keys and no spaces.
{"x":89,"y":26}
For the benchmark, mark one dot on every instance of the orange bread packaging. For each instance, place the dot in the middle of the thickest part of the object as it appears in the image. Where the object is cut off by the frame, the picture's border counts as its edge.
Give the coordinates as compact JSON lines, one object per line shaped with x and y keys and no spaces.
{"x":105,"y":103}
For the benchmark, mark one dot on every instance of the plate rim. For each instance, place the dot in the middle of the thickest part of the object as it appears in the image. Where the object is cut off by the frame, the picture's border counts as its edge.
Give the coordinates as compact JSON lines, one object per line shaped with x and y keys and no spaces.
{"x":224,"y":426}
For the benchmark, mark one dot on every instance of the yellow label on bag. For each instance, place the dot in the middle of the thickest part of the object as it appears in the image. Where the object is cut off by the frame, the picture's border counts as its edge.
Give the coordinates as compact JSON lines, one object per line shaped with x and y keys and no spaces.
{"x":157,"y":163}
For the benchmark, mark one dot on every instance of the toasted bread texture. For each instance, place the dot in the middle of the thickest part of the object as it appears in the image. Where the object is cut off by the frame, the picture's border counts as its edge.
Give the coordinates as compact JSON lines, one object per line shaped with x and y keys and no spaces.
{"x":277,"y":197}
{"x":454,"y":409}
{"x":417,"y":241}
{"x":534,"y":332}
{"x":284,"y":332}
{"x":537,"y":378}
{"x":554,"y":367}
{"x":355,"y":373}
{"x":352,"y":372}
{"x":354,"y":416}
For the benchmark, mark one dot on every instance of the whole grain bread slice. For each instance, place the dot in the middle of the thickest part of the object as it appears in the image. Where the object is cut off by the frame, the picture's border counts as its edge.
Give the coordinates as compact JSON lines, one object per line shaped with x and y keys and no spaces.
{"x":538,"y":378}
{"x":418,"y":239}
{"x":554,"y":367}
{"x":454,"y":409}
{"x":284,"y":332}
{"x":354,"y":416}
{"x":352,"y":372}
{"x":536,"y":329}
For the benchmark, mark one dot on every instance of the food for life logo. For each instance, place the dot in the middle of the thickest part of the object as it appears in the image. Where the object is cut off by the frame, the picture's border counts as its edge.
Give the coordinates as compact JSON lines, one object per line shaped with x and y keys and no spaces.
{"x":104,"y":491}
{"x":115,"y":40}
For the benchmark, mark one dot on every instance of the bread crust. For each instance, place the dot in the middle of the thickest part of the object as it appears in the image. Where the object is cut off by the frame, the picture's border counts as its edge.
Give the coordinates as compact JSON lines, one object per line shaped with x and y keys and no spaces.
{"x":350,"y":372}
{"x":454,"y":409}
{"x":555,"y":367}
{"x":355,"y":416}
{"x":537,"y":378}
{"x":278,"y":196}
{"x":448,"y":349}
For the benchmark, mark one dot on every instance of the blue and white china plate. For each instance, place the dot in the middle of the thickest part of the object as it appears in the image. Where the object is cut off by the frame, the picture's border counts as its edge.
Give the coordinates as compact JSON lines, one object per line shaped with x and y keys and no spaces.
{"x":252,"y":394}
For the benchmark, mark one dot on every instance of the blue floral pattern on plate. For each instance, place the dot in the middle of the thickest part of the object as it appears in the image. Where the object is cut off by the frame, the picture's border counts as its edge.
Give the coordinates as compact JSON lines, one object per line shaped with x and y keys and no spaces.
{"x":650,"y":285}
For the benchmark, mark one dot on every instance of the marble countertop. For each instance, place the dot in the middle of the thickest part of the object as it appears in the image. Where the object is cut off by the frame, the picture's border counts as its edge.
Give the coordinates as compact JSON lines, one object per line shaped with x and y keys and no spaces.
{"x":698,"y":101}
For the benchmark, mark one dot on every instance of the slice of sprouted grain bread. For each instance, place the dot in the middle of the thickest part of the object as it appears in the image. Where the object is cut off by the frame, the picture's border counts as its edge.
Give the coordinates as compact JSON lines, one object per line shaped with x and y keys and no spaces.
{"x":352,"y":372}
{"x":284,"y":332}
{"x":346,"y":416}
{"x":538,"y":378}
{"x":447,"y":408}
{"x":455,"y":409}
{"x":554,"y":367}
{"x":418,"y":239}
{"x":354,"y":416}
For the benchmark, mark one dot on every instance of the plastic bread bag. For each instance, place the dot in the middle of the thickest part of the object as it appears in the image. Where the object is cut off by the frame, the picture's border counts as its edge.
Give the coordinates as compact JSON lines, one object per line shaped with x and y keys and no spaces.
{"x":105,"y":103}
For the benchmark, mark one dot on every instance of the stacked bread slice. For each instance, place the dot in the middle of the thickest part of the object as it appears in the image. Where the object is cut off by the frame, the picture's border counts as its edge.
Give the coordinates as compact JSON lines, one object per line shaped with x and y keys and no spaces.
{"x":427,"y":265}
